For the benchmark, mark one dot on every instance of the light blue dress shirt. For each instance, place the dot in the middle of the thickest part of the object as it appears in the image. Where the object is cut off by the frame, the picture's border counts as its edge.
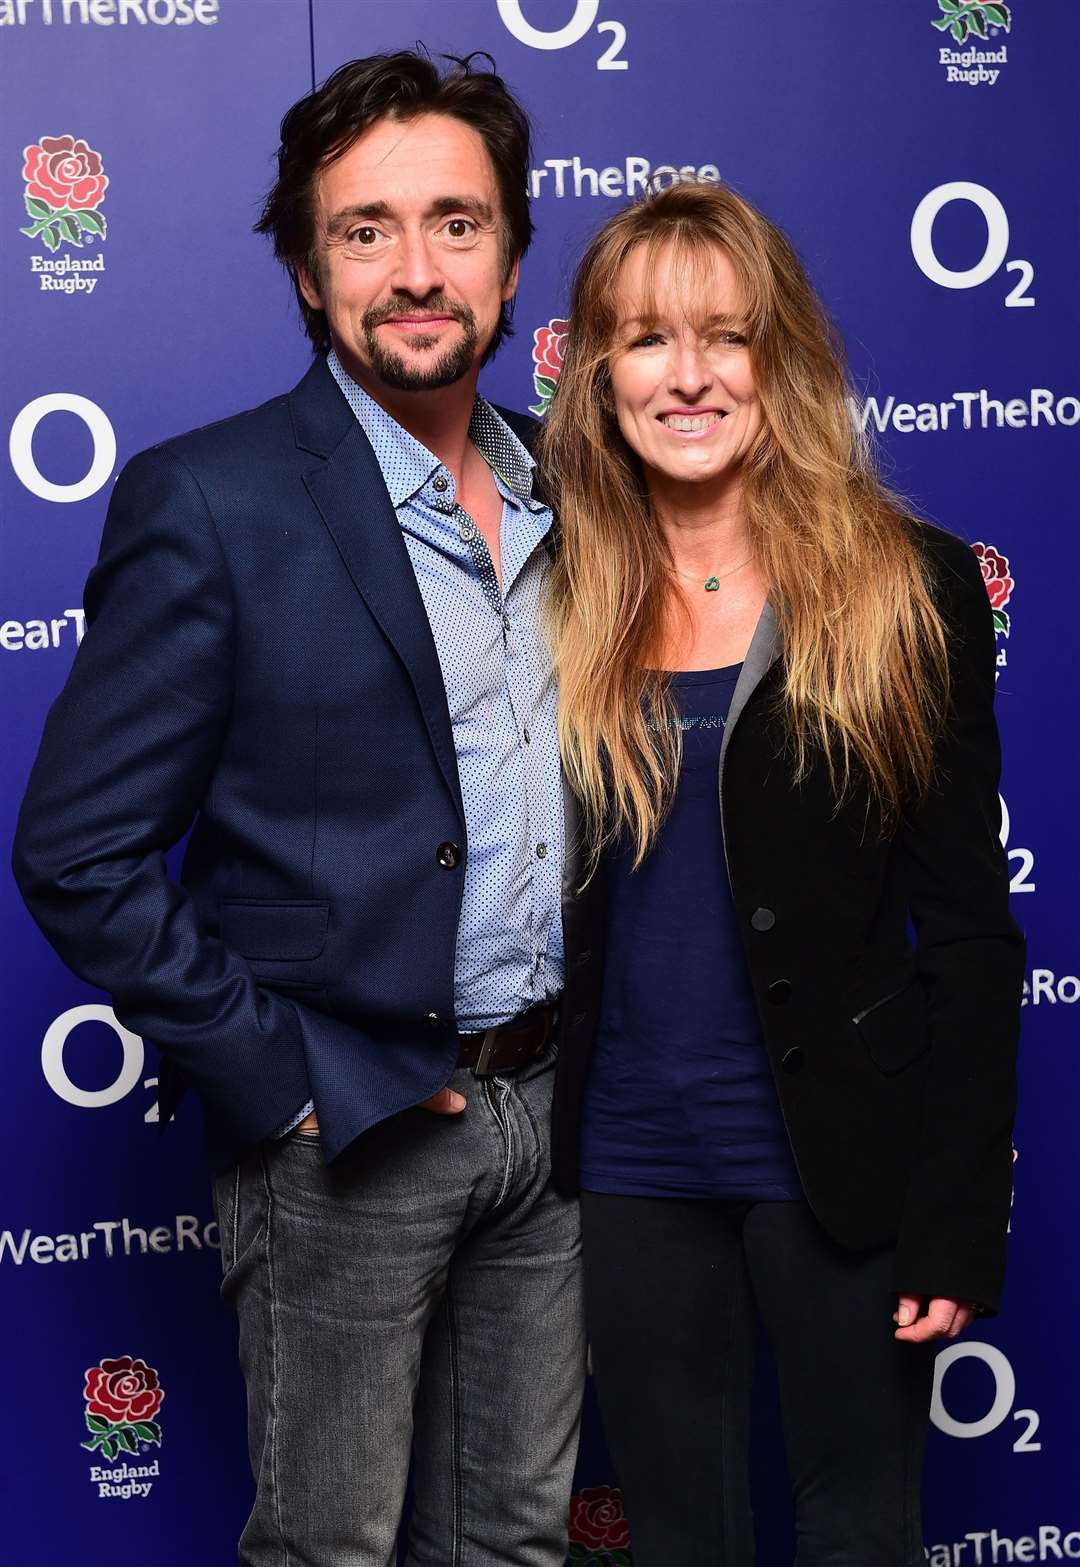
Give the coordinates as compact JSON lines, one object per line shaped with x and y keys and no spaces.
{"x":500,"y":692}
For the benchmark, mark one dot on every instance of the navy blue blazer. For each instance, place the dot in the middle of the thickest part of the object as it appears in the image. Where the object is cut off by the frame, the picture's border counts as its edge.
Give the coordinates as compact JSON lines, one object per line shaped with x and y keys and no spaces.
{"x":258,"y":667}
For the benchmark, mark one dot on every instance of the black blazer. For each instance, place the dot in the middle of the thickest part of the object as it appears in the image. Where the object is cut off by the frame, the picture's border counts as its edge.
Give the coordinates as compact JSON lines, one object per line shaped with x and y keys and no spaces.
{"x":892,"y":1044}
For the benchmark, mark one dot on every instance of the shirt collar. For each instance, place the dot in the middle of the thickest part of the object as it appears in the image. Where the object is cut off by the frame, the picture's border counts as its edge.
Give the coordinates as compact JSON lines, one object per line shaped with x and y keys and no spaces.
{"x":406,"y":463}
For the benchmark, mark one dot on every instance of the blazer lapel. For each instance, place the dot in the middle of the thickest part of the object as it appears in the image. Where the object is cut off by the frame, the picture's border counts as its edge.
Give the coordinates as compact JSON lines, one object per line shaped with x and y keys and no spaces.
{"x":762,"y":653}
{"x":349,"y":491}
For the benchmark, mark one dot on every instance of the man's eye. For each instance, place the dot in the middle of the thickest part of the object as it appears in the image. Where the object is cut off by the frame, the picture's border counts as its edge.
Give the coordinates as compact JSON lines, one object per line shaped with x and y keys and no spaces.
{"x":459,"y":228}
{"x":364,"y":236}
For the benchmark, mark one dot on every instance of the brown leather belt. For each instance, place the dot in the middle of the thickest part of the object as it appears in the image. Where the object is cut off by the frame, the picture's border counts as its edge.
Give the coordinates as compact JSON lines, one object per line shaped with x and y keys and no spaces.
{"x":508,"y":1046}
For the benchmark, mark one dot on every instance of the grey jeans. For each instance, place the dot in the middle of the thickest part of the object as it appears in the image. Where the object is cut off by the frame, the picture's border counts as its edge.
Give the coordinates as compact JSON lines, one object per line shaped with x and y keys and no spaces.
{"x":422,"y":1295}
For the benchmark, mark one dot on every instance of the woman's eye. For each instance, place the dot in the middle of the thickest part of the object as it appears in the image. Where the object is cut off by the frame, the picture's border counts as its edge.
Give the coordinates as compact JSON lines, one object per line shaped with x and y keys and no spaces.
{"x":647,"y":340}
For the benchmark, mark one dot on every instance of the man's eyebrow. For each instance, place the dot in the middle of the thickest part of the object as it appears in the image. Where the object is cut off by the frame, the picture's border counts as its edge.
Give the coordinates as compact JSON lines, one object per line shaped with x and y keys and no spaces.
{"x":346,"y":215}
{"x":473,"y":206}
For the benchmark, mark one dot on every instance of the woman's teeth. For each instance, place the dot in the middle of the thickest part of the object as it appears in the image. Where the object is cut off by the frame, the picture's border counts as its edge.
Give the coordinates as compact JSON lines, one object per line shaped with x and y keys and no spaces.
{"x":683,"y":422}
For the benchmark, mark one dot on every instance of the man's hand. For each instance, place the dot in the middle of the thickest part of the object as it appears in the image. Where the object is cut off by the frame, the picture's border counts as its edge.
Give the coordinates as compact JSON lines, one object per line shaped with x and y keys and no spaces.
{"x":944,"y":1319}
{"x":445,"y":1102}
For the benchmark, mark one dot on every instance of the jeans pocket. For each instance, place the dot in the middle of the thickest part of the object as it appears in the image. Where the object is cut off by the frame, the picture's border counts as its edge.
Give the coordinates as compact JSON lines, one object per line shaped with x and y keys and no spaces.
{"x":241,"y":1206}
{"x":225,"y":1195}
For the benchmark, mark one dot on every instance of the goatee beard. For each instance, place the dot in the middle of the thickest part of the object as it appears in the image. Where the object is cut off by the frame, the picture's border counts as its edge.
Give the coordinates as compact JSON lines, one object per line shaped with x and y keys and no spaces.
{"x":391,"y":368}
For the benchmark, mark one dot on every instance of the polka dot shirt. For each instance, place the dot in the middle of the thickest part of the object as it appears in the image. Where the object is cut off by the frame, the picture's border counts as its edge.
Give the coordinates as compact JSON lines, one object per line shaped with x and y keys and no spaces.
{"x":501,"y":695}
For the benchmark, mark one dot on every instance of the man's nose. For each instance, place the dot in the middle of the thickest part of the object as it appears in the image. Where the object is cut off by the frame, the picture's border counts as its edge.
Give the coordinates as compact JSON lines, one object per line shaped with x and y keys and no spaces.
{"x":418,"y":271}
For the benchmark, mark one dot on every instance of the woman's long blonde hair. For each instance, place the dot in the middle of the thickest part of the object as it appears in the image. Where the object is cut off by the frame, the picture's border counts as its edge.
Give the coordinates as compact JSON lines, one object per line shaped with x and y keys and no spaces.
{"x":864,"y":655}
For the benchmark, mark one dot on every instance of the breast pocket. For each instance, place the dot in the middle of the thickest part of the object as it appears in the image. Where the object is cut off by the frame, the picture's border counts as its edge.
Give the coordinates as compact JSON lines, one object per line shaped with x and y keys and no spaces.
{"x":893,"y":1028}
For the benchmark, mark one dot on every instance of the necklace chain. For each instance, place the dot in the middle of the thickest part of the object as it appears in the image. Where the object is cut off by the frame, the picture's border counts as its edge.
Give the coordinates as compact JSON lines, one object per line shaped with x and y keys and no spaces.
{"x":713,"y":582}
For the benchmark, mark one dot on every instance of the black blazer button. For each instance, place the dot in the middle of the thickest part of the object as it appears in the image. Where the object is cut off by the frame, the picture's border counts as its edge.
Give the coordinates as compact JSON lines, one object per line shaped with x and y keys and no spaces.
{"x":779,"y":992}
{"x":448,"y":855}
{"x":792,"y":1060}
{"x":583,"y":958}
{"x":763,"y":919}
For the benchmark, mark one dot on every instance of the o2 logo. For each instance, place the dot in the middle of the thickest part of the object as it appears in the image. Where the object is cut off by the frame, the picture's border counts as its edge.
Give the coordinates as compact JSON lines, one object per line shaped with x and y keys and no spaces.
{"x":1018,"y":879}
{"x":994,"y":252}
{"x":1001,"y":1405}
{"x":21,"y":446}
{"x":131,"y":1068}
{"x":572,"y":32}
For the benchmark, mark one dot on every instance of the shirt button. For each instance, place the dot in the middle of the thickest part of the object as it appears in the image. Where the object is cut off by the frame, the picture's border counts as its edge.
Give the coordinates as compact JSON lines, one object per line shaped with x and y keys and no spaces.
{"x":779,"y":992}
{"x":448,"y":855}
{"x":527,"y":736}
{"x":440,"y":484}
{"x":466,"y":532}
{"x":763,"y":919}
{"x":541,"y":851}
{"x":506,"y":622}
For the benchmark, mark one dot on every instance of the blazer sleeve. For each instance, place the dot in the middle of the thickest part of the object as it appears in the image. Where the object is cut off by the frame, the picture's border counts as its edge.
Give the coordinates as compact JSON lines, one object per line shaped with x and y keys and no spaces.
{"x":970,"y":958}
{"x":128,"y":755}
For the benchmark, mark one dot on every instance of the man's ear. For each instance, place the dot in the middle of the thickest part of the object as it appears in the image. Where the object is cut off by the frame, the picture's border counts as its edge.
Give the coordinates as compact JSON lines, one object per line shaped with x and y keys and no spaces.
{"x":509,"y":288}
{"x":308,"y":285}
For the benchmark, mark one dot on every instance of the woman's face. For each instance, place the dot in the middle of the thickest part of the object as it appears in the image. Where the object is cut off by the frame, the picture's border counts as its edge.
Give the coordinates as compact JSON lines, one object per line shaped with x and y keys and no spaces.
{"x":682,"y":383}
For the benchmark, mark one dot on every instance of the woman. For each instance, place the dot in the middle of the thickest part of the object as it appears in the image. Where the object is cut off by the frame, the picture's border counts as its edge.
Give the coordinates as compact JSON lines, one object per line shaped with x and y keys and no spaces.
{"x":790,"y":1097}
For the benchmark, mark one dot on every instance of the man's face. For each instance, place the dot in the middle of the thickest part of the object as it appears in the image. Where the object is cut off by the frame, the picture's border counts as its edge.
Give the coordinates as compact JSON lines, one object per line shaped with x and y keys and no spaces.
{"x":411,"y":263}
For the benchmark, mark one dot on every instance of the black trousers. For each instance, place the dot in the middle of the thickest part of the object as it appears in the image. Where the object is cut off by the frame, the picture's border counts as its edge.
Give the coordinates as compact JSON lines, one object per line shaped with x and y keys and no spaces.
{"x":673,"y":1292}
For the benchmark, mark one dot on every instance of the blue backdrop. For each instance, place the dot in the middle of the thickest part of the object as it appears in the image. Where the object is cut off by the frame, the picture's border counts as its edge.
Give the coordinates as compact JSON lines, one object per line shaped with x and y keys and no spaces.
{"x":913,"y":151}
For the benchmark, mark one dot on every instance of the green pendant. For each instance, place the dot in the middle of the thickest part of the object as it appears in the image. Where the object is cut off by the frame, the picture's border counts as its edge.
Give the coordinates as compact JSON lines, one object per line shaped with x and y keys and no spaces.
{"x":712,"y":585}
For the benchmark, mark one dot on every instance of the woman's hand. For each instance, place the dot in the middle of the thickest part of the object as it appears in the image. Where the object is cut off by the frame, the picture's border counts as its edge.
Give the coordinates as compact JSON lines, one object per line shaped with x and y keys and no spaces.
{"x":944,"y":1318}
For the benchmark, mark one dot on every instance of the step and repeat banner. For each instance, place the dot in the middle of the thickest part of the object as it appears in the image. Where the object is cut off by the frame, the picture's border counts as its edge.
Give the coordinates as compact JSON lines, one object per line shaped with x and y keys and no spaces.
{"x":916,"y":152}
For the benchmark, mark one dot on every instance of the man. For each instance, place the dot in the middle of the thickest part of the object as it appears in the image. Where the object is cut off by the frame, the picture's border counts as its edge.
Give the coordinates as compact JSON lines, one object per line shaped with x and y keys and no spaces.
{"x":313,"y":628}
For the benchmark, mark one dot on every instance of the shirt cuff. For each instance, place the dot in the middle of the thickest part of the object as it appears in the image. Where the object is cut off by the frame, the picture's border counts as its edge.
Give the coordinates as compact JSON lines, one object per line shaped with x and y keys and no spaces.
{"x":283,"y":1131}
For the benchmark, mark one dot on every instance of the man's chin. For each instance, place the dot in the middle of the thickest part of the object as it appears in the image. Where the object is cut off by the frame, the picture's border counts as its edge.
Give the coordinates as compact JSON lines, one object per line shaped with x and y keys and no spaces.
{"x":404,"y":374}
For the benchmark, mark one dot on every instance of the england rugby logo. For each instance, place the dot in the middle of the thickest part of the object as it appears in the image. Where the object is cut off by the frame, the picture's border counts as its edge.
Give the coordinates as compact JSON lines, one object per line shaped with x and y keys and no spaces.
{"x":123,"y":1397}
{"x":971,"y":20}
{"x":548,"y":344}
{"x":999,"y":584}
{"x":65,"y":186}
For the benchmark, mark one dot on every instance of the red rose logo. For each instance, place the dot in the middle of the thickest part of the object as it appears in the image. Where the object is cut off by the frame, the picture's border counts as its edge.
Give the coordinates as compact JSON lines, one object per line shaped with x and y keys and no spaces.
{"x":999,"y":585}
{"x":64,"y":172}
{"x":64,"y":187}
{"x":122,"y":1397}
{"x":123,"y":1389}
{"x":597,"y":1519}
{"x":548,"y":344}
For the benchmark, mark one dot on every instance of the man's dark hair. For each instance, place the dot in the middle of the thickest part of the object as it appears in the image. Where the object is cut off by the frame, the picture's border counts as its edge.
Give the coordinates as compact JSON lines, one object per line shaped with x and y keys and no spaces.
{"x":320,"y":128}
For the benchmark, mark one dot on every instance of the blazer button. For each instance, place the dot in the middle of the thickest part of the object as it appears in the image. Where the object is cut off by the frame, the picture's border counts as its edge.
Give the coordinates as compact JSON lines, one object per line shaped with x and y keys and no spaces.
{"x":583,"y":958}
{"x":792,"y":1060}
{"x":763,"y":919}
{"x":779,"y":992}
{"x":448,"y":855}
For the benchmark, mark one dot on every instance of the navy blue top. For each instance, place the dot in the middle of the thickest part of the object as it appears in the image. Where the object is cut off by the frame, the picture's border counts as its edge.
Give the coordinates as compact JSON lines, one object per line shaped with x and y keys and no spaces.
{"x":680,"y":1100}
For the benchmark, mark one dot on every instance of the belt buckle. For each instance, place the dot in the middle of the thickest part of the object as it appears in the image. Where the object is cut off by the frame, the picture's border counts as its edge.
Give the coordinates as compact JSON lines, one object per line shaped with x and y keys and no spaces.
{"x":487,"y":1050}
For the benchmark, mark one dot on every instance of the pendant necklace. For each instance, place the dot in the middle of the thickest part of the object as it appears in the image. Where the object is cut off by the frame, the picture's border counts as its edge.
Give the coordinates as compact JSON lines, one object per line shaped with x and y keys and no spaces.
{"x":712,"y":583}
